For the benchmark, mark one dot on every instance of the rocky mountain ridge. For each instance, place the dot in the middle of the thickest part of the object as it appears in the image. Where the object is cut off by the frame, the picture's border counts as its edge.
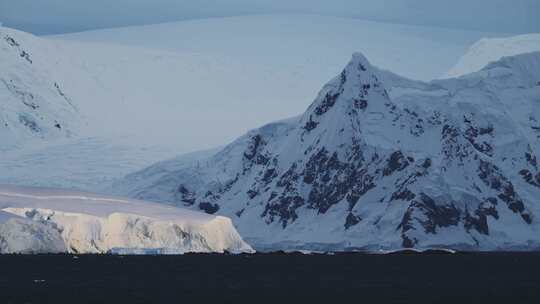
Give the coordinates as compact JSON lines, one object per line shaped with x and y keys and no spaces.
{"x":380,"y":162}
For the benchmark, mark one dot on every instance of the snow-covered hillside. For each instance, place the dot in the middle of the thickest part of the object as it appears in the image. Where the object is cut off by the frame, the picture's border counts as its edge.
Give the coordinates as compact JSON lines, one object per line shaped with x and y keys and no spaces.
{"x":488,"y":50}
{"x":64,"y":121}
{"x":225,"y":76}
{"x":34,"y":220}
{"x":185,"y":86}
{"x":33,"y":104}
{"x":380,"y":162}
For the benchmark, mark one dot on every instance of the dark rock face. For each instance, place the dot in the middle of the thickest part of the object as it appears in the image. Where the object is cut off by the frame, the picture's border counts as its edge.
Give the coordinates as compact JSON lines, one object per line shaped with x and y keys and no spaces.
{"x":208,"y":207}
{"x":283,"y":208}
{"x":254,"y":152}
{"x":310,"y":125}
{"x":506,"y":192}
{"x":396,"y":162}
{"x":531,"y":179}
{"x":23,"y":54}
{"x":478,"y":220}
{"x":328,"y":102}
{"x":472,"y":134}
{"x":187,"y":196}
{"x":430,"y":215}
{"x":332,"y":180}
{"x":351,"y":220}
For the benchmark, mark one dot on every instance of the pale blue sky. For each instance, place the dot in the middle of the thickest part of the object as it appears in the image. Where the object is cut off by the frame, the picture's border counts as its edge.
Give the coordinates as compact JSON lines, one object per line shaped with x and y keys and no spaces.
{"x":53,"y":16}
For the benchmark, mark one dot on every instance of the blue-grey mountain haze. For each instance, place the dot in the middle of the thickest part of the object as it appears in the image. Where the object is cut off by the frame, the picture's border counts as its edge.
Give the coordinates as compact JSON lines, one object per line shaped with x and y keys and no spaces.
{"x":60,"y":16}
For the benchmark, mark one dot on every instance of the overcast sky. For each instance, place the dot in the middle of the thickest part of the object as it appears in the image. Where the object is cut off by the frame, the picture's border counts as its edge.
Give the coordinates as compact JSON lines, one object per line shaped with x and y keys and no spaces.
{"x":54,"y":16}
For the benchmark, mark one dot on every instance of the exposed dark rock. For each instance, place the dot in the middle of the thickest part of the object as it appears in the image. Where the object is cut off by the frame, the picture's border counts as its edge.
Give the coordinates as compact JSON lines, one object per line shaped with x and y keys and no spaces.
{"x":531,"y":159}
{"x":408,"y":242}
{"x":209,"y":207}
{"x":254,"y":148}
{"x":15,"y":44}
{"x":310,"y":125}
{"x":429,"y":214}
{"x":27,"y":98}
{"x":327,"y":103}
{"x":29,"y":123}
{"x":269,"y":175}
{"x":283,"y":208}
{"x":531,"y":179}
{"x":478,"y":220}
{"x":351,"y":220}
{"x":186,"y":196}
{"x":491,"y":176}
{"x":396,"y":162}
{"x":11,"y":41}
{"x":472,"y":134}
{"x":404,"y":194}
{"x":427,"y":163}
{"x":360,"y":104}
{"x":26,"y":56}
{"x":252,"y":193}
{"x":451,"y":147}
{"x":240,"y":212}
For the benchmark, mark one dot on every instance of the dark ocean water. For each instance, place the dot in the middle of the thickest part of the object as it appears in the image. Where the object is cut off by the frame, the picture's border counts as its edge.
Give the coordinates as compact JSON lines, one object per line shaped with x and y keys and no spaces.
{"x":272,"y":278}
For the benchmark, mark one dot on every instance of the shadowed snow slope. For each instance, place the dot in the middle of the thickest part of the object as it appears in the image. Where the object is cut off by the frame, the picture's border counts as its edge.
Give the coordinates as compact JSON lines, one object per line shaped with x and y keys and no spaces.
{"x":380,"y":162}
{"x":33,"y":104}
{"x":492,"y":49}
{"x":45,"y":220}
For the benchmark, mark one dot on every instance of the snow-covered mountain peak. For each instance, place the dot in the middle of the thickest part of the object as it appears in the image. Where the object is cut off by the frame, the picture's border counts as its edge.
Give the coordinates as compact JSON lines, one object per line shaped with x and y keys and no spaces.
{"x":347,"y":105}
{"x":450,"y":163}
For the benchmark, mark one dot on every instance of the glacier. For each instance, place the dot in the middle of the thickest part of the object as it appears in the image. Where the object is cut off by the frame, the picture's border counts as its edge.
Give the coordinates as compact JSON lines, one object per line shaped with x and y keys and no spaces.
{"x":38,"y":220}
{"x":488,"y":50}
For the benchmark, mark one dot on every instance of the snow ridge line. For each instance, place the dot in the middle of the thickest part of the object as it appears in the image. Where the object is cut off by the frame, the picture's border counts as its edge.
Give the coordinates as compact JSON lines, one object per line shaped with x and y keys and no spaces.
{"x":66,"y":197}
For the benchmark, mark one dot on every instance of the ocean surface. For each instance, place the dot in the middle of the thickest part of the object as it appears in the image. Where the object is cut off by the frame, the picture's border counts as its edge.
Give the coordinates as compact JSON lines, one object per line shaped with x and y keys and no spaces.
{"x":272,"y":278}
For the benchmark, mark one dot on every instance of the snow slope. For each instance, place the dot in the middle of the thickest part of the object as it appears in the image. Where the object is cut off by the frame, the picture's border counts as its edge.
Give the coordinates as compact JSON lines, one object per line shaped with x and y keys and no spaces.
{"x":298,"y":43}
{"x":66,"y":122}
{"x":224,"y":76}
{"x":36,"y":220}
{"x":87,"y":164}
{"x":487,"y":50}
{"x":33,"y":104}
{"x":148,"y":93}
{"x":379,"y":161}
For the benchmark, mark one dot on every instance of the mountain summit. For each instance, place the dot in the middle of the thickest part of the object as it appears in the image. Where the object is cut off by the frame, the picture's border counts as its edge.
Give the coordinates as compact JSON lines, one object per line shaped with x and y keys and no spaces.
{"x":379,"y":162}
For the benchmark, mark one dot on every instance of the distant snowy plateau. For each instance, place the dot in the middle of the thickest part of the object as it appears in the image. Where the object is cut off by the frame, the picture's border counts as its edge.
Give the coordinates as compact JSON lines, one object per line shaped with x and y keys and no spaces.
{"x":378,"y":161}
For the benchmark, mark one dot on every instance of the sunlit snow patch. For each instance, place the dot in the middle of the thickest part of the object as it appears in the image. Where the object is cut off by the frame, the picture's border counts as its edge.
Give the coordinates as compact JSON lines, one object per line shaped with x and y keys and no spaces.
{"x":34,"y":220}
{"x":489,"y":50}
